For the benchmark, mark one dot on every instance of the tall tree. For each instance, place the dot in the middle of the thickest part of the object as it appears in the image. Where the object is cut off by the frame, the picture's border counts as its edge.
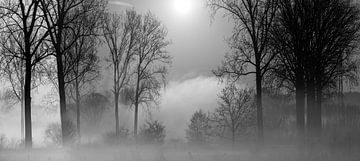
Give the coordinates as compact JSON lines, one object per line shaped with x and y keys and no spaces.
{"x":315,"y":32}
{"x":253,"y":21}
{"x":151,"y":61}
{"x":121,"y":36}
{"x":23,"y":23}
{"x":81,"y":64}
{"x":60,"y":17}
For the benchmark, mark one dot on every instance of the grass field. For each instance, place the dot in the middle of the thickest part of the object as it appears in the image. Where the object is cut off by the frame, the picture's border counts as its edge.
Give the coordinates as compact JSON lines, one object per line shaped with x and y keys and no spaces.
{"x":164,"y":153}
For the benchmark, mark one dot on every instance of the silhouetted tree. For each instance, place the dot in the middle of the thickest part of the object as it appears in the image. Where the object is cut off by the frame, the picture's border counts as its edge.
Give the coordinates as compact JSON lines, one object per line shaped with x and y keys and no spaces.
{"x":150,"y":64}
{"x":199,"y":128}
{"x":121,"y":36}
{"x":249,"y":43}
{"x":22,"y":23}
{"x":61,"y":17}
{"x":315,"y":41}
{"x":235,"y":112}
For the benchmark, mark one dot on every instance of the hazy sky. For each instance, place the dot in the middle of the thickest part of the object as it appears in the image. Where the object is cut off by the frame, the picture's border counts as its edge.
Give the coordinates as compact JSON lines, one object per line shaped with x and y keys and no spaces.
{"x":197,"y":47}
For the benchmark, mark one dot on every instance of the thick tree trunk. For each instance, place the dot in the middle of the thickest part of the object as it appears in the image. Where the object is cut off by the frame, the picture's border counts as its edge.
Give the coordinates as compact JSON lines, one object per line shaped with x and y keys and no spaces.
{"x":22,"y":113}
{"x":63,"y":115}
{"x":300,"y":103}
{"x":259,"y":105}
{"x":27,"y":93}
{"x":310,"y":108}
{"x":317,"y":111}
{"x":117,"y":128}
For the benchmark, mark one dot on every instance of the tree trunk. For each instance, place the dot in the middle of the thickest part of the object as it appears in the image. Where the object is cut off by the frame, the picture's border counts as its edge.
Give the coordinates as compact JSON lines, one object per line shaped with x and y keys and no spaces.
{"x":300,"y":103}
{"x":136,"y":107}
{"x":117,"y":128}
{"x":77,"y":109}
{"x":310,"y":108}
{"x":259,"y":105}
{"x":317,"y":110}
{"x":22,"y":112}
{"x":63,"y":114}
{"x":27,"y":93}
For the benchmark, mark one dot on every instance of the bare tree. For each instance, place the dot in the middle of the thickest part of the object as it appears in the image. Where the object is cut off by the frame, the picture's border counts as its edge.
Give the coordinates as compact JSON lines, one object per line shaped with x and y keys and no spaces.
{"x":199,"y":128}
{"x":81,"y":64}
{"x":234,"y":112}
{"x":151,"y":61}
{"x":60,"y":17}
{"x":253,"y":21}
{"x":121,"y":36}
{"x":23,"y":24}
{"x":315,"y":41}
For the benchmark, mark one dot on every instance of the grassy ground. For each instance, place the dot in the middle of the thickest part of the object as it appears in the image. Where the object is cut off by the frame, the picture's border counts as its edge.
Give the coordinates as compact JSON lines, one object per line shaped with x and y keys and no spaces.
{"x":150,"y":153}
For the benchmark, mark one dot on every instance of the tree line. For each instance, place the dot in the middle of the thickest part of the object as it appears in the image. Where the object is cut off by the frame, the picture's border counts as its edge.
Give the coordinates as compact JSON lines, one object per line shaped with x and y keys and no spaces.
{"x":301,"y":47}
{"x":57,"y":42}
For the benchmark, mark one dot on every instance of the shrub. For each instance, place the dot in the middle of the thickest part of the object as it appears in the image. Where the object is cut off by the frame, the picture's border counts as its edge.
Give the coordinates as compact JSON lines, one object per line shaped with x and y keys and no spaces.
{"x":152,"y":132}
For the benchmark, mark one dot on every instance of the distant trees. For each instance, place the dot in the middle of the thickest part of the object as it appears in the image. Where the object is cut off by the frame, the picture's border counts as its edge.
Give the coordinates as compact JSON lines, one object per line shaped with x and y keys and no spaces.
{"x":249,"y":43}
{"x":93,"y":107}
{"x":198,"y":130}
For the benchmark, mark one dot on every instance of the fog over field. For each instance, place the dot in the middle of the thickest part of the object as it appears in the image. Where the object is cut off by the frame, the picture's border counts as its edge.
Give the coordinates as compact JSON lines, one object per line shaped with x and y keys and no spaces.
{"x":179,"y":80}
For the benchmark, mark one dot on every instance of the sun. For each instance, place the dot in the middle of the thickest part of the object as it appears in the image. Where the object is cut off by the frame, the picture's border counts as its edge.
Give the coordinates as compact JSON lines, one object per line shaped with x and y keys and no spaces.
{"x":183,"y":7}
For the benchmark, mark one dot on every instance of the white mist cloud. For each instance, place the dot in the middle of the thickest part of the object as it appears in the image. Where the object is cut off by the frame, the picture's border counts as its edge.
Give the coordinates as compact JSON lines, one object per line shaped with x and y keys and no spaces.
{"x":121,"y":3}
{"x":182,"y":98}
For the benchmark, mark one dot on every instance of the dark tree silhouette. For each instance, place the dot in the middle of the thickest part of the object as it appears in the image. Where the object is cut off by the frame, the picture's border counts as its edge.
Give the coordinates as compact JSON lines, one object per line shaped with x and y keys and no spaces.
{"x":151,"y":61}
{"x":121,"y":36}
{"x":253,"y":21}
{"x":315,"y":41}
{"x":23,"y":24}
{"x":60,"y":18}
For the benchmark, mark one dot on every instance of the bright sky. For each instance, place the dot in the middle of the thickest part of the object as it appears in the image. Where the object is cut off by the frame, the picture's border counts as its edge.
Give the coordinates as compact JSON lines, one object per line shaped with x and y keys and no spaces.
{"x":198,"y":44}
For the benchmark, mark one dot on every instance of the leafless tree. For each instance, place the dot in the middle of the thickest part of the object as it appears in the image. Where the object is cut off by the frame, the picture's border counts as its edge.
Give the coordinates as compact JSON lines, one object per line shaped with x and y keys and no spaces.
{"x":60,"y":17}
{"x":249,"y":43}
{"x":315,"y":41}
{"x":151,"y":61}
{"x":22,"y":22}
{"x":81,"y":64}
{"x":235,"y":112}
{"x":121,"y":36}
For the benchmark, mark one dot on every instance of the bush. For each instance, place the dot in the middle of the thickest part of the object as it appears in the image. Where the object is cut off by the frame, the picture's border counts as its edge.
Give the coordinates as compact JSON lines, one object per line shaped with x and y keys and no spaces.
{"x":152,"y":132}
{"x":53,"y":134}
{"x":111,"y":139}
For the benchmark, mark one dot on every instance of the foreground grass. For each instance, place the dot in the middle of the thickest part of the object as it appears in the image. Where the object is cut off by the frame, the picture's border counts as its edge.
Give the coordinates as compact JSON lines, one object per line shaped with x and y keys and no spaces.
{"x":184,"y":153}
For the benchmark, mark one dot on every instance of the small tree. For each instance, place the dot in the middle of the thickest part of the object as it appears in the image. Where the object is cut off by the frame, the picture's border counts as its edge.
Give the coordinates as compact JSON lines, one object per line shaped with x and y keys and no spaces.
{"x":199,"y":128}
{"x":153,"y":132}
{"x":235,"y":113}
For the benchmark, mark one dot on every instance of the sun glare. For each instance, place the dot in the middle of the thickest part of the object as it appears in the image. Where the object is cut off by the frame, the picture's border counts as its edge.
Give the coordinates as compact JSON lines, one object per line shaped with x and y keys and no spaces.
{"x":183,"y":6}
